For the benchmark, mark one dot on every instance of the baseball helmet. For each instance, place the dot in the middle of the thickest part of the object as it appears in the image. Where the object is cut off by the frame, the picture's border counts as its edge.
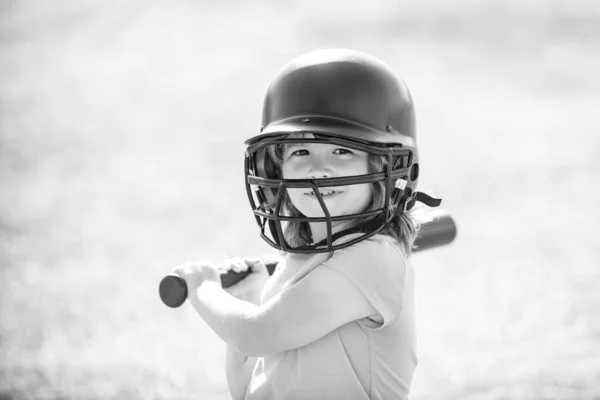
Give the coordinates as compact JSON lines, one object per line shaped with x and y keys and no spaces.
{"x":341,"y":97}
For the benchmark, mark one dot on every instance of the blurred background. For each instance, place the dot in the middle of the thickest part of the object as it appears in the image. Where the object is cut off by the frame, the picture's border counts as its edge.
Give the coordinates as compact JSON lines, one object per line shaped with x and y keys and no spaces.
{"x":121,"y":131}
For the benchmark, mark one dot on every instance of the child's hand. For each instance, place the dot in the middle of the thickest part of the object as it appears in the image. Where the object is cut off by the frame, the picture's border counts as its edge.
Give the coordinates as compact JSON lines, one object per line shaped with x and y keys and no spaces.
{"x":195,"y":273}
{"x":250,"y":288}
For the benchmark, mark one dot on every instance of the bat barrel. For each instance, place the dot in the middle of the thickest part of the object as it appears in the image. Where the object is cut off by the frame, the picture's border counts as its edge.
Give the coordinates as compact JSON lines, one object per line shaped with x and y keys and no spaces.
{"x":438,"y":230}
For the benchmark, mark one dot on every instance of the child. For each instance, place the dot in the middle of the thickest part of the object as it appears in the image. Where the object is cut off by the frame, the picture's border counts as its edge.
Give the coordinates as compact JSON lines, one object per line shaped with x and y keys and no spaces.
{"x":330,"y":178}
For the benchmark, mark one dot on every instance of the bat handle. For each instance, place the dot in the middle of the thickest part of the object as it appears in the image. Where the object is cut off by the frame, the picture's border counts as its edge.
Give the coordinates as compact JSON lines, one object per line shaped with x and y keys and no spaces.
{"x":173,"y":289}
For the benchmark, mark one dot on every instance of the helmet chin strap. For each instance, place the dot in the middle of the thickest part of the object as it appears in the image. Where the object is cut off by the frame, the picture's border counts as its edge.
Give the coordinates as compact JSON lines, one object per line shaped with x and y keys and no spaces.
{"x":420,"y":197}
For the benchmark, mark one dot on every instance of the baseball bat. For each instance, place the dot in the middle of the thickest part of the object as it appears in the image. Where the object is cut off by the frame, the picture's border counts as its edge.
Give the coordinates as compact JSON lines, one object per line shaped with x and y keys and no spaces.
{"x":437,"y":229}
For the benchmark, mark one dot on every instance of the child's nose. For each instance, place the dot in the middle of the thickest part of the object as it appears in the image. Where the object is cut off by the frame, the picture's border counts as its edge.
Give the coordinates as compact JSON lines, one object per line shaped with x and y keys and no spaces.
{"x":319,"y":168}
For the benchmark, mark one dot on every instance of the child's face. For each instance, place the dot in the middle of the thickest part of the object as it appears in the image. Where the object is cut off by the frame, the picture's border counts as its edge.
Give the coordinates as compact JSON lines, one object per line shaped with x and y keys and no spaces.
{"x":319,"y":160}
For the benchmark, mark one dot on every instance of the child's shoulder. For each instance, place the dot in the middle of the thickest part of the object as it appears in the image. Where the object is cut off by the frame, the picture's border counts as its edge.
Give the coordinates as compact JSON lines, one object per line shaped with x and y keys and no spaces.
{"x":377,"y":267}
{"x":376,"y":244}
{"x":379,"y":250}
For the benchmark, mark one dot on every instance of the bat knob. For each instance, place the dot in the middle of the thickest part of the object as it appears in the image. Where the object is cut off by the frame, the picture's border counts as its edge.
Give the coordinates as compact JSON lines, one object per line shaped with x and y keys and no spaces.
{"x":173,"y":290}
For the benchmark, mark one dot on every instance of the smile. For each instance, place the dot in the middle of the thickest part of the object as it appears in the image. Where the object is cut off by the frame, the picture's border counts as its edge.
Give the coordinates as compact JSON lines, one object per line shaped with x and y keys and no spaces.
{"x":324,"y":193}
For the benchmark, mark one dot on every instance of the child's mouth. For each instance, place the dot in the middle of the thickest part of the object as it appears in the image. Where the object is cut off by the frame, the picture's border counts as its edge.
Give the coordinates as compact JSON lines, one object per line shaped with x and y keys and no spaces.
{"x":324,"y":193}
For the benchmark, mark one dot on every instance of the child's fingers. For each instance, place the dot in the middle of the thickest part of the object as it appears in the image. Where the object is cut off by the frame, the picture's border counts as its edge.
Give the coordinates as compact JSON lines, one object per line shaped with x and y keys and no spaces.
{"x":255,"y":263}
{"x":196,"y":272}
{"x":185,"y":268}
{"x":235,"y":264}
{"x":239,"y":264}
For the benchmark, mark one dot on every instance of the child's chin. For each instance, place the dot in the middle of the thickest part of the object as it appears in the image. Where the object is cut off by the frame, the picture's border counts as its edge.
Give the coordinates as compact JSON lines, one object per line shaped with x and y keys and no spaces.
{"x":310,"y":212}
{"x":319,"y":213}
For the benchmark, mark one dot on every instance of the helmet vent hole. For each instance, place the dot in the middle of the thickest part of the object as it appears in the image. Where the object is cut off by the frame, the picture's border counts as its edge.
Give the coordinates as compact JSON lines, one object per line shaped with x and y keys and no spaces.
{"x":414,"y":172}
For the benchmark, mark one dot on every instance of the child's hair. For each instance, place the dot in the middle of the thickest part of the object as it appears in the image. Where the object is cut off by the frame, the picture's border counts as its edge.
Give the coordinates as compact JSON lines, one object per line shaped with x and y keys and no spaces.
{"x":403,"y":227}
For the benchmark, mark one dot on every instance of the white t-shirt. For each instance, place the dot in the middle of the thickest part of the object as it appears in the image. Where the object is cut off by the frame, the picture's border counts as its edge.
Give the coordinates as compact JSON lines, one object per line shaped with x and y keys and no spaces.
{"x":362,"y":359}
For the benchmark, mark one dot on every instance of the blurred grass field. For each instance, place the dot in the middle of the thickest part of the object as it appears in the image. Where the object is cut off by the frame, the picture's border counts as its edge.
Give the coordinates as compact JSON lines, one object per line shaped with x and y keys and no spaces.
{"x":121,"y":133}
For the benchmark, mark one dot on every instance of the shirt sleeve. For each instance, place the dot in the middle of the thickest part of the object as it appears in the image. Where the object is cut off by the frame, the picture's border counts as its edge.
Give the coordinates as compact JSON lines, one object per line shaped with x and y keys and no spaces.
{"x":377,"y":267}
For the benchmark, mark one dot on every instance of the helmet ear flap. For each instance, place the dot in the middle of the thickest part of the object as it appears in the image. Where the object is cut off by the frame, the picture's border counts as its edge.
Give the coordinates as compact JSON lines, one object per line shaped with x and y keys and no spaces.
{"x":403,"y":193}
{"x":396,"y":194}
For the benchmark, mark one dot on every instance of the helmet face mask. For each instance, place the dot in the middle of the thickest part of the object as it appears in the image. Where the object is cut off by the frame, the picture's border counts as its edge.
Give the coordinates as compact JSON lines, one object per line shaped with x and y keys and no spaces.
{"x":336,"y":97}
{"x":274,"y":212}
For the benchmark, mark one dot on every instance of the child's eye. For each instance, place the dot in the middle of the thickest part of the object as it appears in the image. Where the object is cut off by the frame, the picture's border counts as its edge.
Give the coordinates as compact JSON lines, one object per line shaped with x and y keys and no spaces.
{"x":299,"y":153}
{"x":342,"y":151}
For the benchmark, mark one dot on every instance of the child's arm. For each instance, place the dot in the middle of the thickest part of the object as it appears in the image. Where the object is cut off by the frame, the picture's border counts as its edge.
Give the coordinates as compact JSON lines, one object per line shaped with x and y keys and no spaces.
{"x":239,"y":367}
{"x":238,"y":370}
{"x":322,"y":301}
